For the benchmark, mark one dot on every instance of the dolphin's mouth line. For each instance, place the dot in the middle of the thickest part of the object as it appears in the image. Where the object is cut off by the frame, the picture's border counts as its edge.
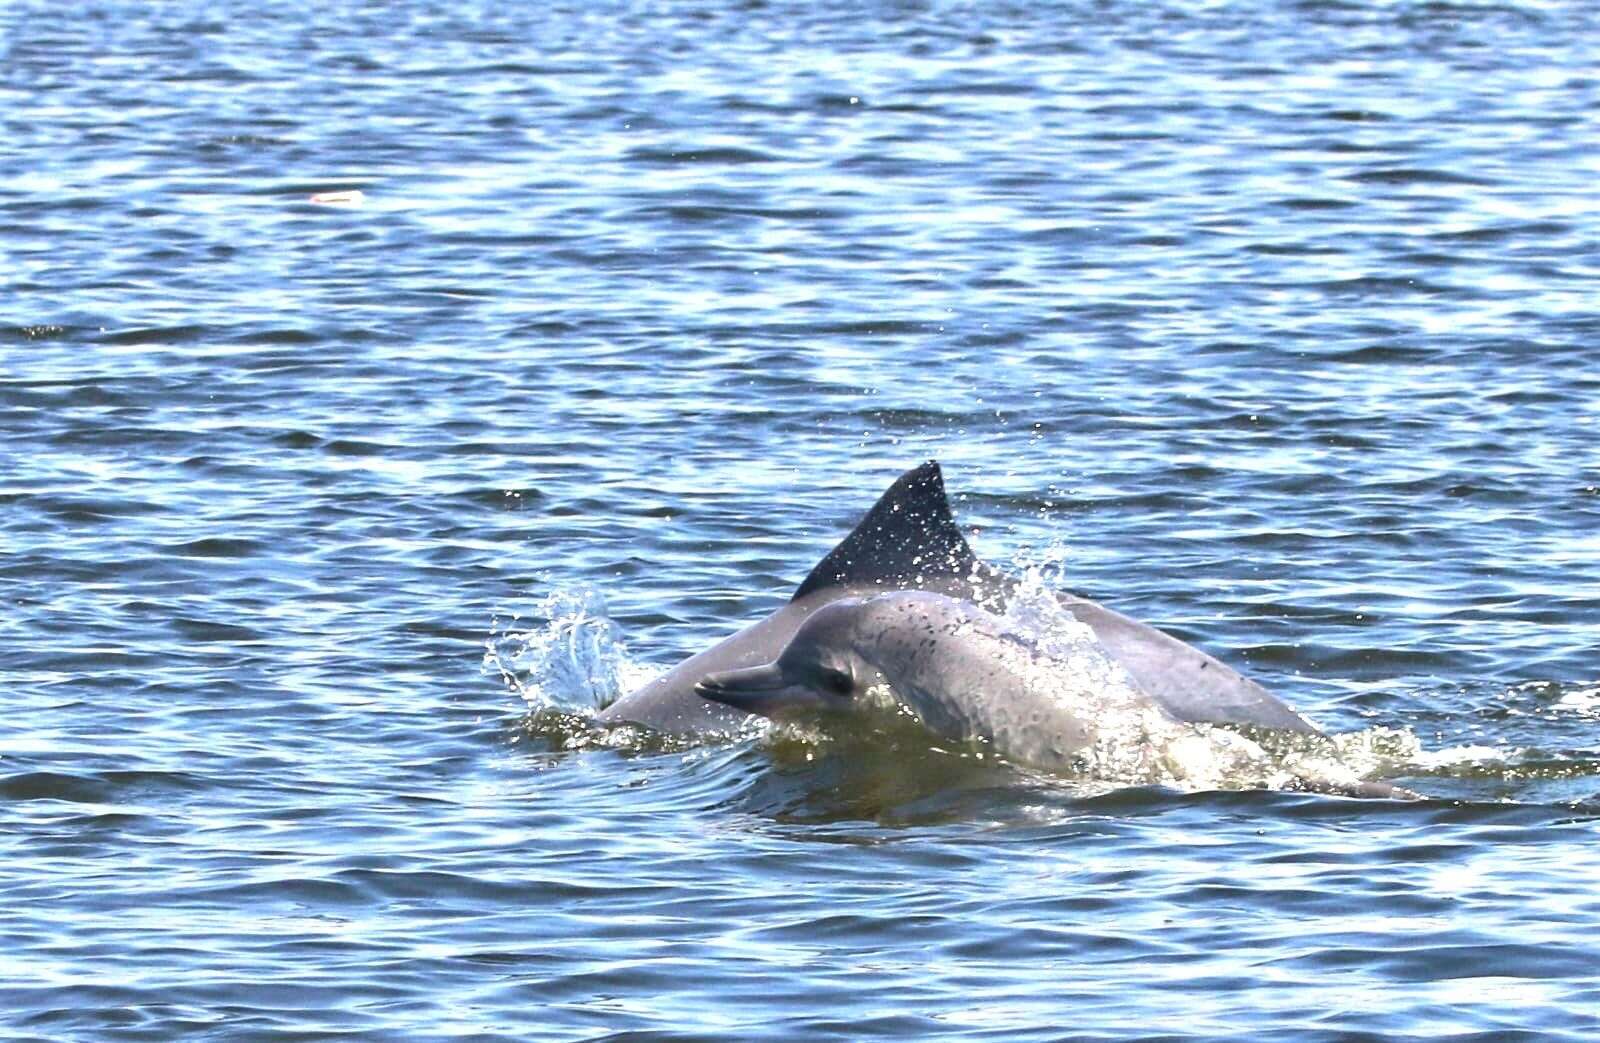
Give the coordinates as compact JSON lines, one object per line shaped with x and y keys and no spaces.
{"x":709,"y":689}
{"x":754,"y":689}
{"x":739,"y":682}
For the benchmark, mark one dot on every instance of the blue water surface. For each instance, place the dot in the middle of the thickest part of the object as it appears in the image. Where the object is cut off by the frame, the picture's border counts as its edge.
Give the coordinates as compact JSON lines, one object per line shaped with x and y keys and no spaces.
{"x":383,"y":386}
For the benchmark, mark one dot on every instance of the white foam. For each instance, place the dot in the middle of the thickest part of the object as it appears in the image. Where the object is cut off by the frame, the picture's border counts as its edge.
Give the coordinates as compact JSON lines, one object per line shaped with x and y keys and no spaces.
{"x":1585,"y":701}
{"x":1464,"y":756}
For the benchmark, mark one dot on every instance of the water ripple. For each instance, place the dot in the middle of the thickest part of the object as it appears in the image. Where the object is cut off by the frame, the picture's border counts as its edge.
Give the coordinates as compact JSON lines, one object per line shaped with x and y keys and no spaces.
{"x":328,"y":524}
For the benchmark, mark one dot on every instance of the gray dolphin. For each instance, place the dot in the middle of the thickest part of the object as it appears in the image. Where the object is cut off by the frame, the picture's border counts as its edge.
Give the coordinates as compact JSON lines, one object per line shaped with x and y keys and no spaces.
{"x":966,"y":675}
{"x":909,"y":541}
{"x":956,"y":667}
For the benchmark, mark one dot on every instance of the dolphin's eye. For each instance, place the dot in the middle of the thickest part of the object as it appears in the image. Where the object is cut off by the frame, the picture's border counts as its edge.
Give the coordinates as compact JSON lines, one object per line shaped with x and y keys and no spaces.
{"x":837,"y":682}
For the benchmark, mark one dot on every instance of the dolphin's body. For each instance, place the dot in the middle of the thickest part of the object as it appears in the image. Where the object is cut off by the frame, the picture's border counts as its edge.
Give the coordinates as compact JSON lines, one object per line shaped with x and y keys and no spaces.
{"x":969,"y":676}
{"x":909,"y":541}
{"x":957,"y":668}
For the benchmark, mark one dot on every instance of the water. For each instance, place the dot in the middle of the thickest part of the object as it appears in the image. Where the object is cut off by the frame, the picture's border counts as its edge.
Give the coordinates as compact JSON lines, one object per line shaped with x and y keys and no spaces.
{"x":1271,"y":323}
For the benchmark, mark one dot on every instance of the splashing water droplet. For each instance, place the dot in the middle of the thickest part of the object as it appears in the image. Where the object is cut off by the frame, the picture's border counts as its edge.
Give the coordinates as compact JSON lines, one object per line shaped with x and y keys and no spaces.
{"x":573,"y":660}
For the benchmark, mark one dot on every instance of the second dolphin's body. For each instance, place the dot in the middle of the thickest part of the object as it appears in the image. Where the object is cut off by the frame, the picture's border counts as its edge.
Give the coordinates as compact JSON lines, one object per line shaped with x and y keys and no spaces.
{"x":954,"y":666}
{"x":969,"y":677}
{"x":910,"y":541}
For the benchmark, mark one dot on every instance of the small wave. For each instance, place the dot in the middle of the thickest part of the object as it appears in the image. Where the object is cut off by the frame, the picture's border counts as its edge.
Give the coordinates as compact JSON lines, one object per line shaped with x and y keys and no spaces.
{"x":46,"y":331}
{"x":548,"y":729}
{"x":708,"y":155}
{"x":1508,"y":765}
{"x":1413,"y":176}
{"x":1472,"y":758}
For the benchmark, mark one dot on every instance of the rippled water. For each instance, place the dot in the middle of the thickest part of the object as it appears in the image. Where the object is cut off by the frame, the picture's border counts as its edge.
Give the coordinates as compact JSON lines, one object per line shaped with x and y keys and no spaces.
{"x":327,"y":524}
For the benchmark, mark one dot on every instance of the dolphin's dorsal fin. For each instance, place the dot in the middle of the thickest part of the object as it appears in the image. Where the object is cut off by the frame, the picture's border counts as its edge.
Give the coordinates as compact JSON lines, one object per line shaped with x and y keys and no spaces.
{"x":908,"y":541}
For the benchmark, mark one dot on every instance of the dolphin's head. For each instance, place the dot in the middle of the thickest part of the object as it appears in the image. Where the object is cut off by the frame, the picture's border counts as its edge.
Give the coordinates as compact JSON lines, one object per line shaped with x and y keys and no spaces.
{"x":820,"y":671}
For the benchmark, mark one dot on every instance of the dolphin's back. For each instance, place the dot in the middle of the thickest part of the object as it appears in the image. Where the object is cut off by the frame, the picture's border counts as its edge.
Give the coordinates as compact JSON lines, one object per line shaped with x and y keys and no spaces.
{"x":1189,"y":684}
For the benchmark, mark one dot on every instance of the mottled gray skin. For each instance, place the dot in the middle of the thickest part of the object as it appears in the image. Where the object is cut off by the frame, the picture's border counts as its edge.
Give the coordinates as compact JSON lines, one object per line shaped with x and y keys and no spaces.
{"x":949,"y":662}
{"x":968,"y":677}
{"x":909,"y":541}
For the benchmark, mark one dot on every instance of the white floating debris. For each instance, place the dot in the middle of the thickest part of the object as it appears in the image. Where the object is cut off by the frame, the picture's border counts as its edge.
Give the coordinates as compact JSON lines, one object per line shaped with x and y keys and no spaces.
{"x":350,"y":197}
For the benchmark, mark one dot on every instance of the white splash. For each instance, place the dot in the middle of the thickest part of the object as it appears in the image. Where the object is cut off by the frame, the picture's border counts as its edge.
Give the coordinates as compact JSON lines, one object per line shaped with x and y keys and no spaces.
{"x":572,"y":658}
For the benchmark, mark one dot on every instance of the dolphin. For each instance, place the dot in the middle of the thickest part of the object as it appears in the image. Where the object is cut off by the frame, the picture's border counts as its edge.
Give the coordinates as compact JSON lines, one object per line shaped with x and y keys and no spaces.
{"x":909,"y":541}
{"x":969,"y":677}
{"x":953,"y":665}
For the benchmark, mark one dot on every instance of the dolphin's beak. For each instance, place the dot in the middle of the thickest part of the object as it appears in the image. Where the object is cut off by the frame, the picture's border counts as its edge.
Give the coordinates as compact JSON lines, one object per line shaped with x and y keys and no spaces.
{"x":757,"y":689}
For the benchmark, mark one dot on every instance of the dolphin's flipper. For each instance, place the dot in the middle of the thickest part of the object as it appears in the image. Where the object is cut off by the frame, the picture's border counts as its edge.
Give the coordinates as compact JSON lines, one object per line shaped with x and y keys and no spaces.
{"x":907,"y":541}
